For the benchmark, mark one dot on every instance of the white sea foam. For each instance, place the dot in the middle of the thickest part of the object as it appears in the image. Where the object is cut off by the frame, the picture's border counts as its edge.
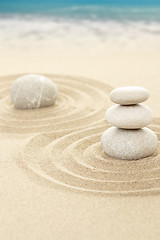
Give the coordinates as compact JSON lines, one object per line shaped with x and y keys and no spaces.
{"x":30,"y":30}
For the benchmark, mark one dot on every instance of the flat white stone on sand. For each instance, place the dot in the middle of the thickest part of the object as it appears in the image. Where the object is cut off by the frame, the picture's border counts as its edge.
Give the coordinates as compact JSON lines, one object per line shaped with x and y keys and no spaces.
{"x":129,"y":144}
{"x":129,"y":95}
{"x":33,"y":91}
{"x":129,"y":117}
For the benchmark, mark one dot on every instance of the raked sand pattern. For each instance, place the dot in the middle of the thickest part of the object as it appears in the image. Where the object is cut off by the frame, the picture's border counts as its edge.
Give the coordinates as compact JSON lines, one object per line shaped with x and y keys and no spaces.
{"x":77,"y":161}
{"x":63,"y":147}
{"x":81,"y":103}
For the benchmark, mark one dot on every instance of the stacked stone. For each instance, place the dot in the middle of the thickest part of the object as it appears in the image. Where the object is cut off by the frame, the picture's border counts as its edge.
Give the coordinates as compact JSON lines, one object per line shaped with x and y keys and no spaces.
{"x":129,"y":138}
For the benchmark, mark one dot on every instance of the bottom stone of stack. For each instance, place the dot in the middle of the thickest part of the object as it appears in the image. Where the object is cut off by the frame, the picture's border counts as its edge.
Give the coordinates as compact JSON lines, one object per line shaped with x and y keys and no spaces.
{"x":129,"y":144}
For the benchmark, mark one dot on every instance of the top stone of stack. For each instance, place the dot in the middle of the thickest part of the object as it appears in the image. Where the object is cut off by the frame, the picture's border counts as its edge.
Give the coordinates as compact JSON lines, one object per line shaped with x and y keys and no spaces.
{"x":129,"y":95}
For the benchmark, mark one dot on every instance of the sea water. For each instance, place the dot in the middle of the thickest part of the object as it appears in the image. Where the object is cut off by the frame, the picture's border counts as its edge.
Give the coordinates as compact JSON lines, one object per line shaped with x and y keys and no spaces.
{"x":81,"y":23}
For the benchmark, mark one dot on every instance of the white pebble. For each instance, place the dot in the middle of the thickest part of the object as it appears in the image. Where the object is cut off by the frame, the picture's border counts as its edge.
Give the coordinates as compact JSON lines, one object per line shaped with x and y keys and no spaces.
{"x":33,"y":91}
{"x":129,"y":144}
{"x":129,"y":117}
{"x":129,"y":95}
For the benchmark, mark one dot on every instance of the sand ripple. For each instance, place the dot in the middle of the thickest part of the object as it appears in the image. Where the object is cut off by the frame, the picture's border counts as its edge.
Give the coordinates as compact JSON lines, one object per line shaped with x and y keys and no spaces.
{"x":81,"y":103}
{"x":77,"y":161}
{"x":63,"y":147}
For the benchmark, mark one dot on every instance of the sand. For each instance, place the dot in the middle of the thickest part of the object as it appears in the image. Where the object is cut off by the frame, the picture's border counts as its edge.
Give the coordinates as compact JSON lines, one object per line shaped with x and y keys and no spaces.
{"x":62,"y":142}
{"x":55,"y":181}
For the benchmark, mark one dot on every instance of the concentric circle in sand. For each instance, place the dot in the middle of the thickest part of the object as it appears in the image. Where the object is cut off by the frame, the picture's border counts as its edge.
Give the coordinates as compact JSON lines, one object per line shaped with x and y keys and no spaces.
{"x":81,"y":103}
{"x":77,"y":161}
{"x":63,"y":147}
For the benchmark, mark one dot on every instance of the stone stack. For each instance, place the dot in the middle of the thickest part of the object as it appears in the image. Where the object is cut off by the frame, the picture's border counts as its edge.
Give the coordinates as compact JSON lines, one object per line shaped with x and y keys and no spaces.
{"x":129,"y":138}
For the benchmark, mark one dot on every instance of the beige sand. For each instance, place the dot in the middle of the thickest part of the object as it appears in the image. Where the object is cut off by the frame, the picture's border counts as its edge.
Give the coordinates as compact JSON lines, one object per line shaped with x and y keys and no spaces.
{"x":56,"y":182}
{"x":81,"y":103}
{"x":45,"y":195}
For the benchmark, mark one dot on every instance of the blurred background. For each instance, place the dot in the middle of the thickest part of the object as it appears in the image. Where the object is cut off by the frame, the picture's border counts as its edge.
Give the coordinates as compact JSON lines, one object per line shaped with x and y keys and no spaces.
{"x":115,"y":41}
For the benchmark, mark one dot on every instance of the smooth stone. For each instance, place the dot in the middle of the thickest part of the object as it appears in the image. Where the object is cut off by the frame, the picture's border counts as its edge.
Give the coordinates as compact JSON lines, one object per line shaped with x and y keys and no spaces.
{"x":32,"y":92}
{"x":129,"y":144}
{"x":129,"y":95}
{"x":129,"y":117}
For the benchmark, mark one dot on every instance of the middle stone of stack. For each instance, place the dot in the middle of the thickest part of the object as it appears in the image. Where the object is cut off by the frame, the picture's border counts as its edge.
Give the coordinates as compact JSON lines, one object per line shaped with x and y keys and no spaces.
{"x":129,"y":117}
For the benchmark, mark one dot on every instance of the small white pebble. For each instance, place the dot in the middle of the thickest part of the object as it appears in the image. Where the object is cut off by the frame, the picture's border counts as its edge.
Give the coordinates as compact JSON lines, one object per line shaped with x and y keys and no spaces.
{"x":129,"y":95}
{"x":33,"y":91}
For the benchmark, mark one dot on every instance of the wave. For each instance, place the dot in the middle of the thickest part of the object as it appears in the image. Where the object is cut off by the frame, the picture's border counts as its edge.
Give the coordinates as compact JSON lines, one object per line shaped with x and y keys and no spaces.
{"x":86,"y":33}
{"x":93,"y":12}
